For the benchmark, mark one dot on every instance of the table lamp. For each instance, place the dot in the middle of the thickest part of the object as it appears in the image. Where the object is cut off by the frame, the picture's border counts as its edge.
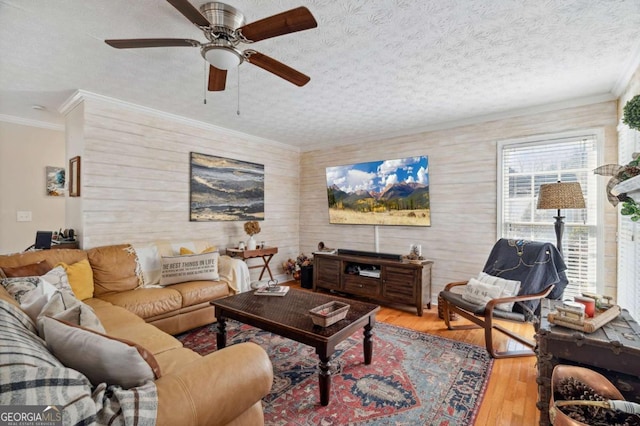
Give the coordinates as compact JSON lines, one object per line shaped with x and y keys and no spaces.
{"x":560,"y":195}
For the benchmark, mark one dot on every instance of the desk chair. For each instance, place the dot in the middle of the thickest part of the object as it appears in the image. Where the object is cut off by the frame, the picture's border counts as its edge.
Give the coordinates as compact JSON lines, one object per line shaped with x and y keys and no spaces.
{"x":538,"y":268}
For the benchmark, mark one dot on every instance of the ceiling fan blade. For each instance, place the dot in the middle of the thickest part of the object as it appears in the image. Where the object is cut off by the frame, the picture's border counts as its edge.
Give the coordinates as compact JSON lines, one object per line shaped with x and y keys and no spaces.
{"x":291,"y":21}
{"x":277,"y":68}
{"x":133,"y":43}
{"x":217,"y":79}
{"x":190,"y":12}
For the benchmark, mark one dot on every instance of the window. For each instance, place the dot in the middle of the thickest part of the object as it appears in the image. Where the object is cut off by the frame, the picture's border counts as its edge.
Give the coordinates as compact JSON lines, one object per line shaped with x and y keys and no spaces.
{"x":525,"y":165}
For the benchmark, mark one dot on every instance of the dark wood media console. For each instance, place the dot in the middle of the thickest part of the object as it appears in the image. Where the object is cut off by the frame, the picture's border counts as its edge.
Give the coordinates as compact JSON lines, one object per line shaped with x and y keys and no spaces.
{"x":387,"y":280}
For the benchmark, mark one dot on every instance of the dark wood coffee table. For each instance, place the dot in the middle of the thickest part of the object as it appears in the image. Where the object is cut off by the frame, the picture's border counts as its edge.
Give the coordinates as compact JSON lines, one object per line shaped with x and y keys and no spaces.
{"x":288,"y":316}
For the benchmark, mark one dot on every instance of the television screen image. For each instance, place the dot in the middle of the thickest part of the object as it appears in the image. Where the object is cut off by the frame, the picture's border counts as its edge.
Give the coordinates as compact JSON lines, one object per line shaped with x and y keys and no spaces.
{"x":388,"y":192}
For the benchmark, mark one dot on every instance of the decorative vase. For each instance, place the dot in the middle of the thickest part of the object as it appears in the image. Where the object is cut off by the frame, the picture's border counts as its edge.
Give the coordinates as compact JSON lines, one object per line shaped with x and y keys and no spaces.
{"x":296,"y":275}
{"x":251,"y":243}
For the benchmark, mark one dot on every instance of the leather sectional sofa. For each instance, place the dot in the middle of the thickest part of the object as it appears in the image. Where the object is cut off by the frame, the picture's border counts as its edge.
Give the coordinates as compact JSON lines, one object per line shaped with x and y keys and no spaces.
{"x":222,"y":388}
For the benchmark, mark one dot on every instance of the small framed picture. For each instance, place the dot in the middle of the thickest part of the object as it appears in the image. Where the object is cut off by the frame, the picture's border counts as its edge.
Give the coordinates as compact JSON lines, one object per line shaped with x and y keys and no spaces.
{"x":74,"y":177}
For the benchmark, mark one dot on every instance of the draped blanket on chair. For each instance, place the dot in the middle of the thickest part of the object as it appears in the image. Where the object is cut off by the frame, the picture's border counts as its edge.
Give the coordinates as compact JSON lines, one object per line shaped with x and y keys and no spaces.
{"x":535,"y":264}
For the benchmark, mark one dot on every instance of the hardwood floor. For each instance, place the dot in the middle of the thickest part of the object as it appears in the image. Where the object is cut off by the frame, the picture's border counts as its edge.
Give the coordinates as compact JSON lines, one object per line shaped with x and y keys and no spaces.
{"x":512,"y":391}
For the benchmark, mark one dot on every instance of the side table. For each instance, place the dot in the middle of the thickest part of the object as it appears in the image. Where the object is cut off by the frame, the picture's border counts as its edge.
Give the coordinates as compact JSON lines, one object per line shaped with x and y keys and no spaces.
{"x":613,"y":351}
{"x":266,"y":254}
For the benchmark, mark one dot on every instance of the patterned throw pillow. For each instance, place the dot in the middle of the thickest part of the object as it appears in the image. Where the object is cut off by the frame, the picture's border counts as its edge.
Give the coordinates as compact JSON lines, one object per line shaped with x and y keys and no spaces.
{"x":179,"y":269}
{"x":508,"y":288}
{"x":20,"y":287}
{"x":479,"y":293}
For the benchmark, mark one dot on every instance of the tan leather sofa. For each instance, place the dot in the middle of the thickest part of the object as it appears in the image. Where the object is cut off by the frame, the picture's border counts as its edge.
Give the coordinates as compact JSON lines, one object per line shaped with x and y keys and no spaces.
{"x":174,"y":309}
{"x":222,"y":388}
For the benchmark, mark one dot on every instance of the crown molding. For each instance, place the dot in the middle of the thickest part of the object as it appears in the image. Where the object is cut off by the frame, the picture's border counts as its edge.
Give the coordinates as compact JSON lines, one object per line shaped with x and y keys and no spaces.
{"x":633,"y":64}
{"x":80,"y":95}
{"x":573,"y":103}
{"x":31,"y":123}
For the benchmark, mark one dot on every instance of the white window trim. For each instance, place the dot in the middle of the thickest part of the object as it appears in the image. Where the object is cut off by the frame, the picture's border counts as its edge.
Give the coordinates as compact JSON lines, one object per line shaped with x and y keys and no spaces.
{"x":601,"y":187}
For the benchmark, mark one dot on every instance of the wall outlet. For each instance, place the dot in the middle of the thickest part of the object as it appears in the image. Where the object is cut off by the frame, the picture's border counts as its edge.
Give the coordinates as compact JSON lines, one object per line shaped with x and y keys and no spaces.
{"x":23,"y":216}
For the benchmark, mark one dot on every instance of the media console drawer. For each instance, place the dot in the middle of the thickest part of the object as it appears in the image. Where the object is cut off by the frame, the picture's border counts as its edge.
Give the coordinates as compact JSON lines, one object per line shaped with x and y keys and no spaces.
{"x":392,"y":280}
{"x":364,"y":286}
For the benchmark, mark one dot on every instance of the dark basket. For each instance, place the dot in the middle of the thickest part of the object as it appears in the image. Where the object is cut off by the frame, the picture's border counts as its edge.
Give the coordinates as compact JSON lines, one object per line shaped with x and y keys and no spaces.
{"x":452,"y":315}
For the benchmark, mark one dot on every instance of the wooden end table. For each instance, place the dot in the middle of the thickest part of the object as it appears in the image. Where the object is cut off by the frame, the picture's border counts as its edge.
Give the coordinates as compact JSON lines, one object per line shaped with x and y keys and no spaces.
{"x":288,"y":316}
{"x":266,"y":254}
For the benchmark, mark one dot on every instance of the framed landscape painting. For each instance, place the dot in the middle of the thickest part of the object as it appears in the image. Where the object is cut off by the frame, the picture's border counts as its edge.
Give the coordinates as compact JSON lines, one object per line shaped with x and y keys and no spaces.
{"x":387,"y":192}
{"x":224,"y":189}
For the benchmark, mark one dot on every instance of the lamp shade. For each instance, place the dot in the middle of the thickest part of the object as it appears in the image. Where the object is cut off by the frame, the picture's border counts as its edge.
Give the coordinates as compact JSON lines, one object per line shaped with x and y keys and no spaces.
{"x":561,"y":195}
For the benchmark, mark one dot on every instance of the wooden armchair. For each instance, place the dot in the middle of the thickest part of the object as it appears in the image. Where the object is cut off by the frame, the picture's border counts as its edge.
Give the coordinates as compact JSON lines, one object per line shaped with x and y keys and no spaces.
{"x":483,"y":316}
{"x":537,"y":267}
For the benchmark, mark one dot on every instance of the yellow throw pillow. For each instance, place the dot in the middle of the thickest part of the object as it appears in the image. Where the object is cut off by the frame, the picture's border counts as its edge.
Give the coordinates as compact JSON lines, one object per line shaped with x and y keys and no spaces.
{"x":185,"y":251}
{"x":80,"y":278}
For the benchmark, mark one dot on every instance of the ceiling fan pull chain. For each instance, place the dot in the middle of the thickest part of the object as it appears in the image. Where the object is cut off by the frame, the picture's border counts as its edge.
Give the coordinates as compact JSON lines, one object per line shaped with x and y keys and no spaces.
{"x":204,"y":87}
{"x":238,"y":110}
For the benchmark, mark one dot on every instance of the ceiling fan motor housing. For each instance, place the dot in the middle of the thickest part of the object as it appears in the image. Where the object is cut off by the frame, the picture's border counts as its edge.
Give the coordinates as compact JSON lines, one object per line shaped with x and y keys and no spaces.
{"x":223,"y":15}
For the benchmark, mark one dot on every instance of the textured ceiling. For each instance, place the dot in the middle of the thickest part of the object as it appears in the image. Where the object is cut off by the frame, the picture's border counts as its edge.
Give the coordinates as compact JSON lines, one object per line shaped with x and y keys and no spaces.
{"x":378,"y":67}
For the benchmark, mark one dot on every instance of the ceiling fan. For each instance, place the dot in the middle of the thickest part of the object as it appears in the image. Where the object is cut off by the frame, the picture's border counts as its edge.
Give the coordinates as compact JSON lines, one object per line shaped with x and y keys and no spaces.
{"x":224,"y":26}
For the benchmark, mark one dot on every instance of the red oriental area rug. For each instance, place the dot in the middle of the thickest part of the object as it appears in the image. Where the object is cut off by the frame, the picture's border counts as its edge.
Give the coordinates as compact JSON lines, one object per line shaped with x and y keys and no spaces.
{"x":414,"y":379}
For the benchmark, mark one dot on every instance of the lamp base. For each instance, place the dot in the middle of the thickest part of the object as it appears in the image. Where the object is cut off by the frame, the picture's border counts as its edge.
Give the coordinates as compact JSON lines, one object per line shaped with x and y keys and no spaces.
{"x":559,"y":228}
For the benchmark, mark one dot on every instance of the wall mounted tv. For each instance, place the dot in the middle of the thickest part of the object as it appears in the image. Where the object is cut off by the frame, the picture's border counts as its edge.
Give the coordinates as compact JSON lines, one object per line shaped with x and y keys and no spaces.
{"x":388,"y":192}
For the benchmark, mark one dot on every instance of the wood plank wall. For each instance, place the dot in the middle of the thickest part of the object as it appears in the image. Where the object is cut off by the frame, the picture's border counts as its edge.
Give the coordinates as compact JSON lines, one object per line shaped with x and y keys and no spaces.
{"x":135,"y":181}
{"x":462,"y":173}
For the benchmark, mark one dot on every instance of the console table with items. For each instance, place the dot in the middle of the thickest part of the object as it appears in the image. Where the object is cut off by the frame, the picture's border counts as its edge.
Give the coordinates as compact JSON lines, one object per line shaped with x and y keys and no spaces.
{"x":266,"y":254}
{"x":613,"y":351}
{"x":380,"y":279}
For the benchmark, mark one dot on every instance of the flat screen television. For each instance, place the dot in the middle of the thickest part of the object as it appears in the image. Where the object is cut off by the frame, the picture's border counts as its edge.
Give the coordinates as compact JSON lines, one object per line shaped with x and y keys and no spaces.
{"x":387,"y":192}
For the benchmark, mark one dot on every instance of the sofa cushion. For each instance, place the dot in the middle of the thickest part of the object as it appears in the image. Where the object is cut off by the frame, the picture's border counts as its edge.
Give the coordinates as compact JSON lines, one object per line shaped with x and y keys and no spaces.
{"x":114,"y":269}
{"x":196,"y":292}
{"x":179,"y":269}
{"x":148,"y":336}
{"x":111,"y":316}
{"x":103,"y":359}
{"x":51,"y":256}
{"x":147,"y":302}
{"x":32,"y":269}
{"x":172,"y":361}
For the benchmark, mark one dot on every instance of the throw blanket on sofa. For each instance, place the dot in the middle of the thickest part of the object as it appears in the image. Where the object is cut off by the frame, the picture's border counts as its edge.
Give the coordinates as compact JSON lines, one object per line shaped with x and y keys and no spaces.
{"x":31,"y":375}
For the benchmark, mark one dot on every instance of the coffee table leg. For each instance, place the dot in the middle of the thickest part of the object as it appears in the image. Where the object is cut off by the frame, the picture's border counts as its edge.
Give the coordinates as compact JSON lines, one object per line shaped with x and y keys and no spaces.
{"x":324,"y":377}
{"x":221,"y":334}
{"x":367,"y":344}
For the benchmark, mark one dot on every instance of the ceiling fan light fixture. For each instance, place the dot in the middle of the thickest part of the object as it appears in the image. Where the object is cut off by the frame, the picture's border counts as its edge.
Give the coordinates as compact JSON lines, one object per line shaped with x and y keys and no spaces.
{"x":222,"y":57}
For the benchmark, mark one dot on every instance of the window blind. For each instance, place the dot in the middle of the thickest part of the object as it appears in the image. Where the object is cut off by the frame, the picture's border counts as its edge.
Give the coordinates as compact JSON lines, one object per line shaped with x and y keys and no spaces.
{"x":526,"y":166}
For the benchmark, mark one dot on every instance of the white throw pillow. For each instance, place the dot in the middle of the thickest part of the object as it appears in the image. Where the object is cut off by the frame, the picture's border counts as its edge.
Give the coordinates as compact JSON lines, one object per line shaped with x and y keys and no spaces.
{"x":508,"y":288}
{"x":20,"y":287}
{"x":193,"y":267}
{"x":479,"y":293}
{"x":101,"y":358}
